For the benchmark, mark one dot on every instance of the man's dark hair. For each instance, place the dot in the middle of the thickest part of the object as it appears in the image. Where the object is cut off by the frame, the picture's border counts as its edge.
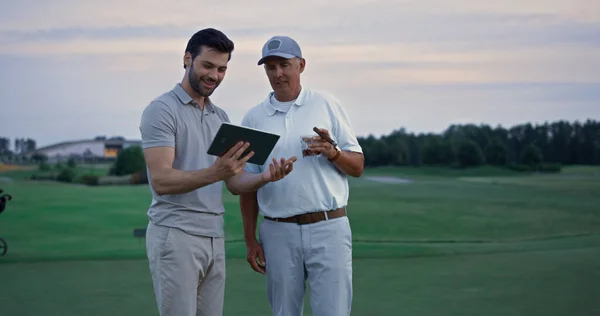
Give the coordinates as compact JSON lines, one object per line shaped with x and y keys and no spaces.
{"x":209,"y":37}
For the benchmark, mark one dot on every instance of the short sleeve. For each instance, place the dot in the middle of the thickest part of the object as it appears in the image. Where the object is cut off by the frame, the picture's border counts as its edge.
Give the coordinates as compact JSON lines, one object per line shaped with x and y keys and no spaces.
{"x":250,"y":167}
{"x":343,"y":130}
{"x":157,"y":126}
{"x":224,"y":116}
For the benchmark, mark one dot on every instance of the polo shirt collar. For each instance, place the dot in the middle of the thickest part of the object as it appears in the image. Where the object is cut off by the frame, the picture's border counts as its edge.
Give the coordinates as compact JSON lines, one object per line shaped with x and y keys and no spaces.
{"x":185,"y":98}
{"x":271,"y":109}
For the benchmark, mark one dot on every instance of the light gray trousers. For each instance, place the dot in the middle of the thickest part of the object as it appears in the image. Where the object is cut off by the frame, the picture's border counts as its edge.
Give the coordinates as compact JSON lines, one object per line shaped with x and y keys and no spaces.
{"x":320,"y":253}
{"x":188,"y":272}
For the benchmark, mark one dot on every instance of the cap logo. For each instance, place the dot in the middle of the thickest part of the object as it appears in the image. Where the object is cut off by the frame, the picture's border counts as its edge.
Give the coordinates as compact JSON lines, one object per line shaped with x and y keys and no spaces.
{"x":274,"y":44}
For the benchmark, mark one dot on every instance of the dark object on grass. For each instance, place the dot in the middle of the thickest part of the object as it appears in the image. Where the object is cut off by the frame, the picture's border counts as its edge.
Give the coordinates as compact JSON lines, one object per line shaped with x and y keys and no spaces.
{"x":3,"y":199}
{"x":139,"y":232}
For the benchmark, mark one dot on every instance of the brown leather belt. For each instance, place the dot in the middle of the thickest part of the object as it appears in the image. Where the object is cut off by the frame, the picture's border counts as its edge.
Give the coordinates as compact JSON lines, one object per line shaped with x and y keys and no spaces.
{"x":310,"y":218}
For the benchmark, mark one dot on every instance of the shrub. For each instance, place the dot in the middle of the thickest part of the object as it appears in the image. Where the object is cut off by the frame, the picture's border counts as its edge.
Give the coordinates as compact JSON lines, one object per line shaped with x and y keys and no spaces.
{"x":531,"y":156}
{"x":114,"y":180}
{"x":43,"y":176}
{"x":139,"y":178}
{"x":66,"y":175}
{"x":130,"y":160}
{"x":71,"y":163}
{"x":520,"y":167}
{"x":44,"y":166}
{"x":89,"y":179}
{"x":550,"y":168}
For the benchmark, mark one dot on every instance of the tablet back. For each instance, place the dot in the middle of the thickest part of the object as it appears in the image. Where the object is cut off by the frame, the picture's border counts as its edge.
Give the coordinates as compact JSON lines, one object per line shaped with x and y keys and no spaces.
{"x":261,"y":142}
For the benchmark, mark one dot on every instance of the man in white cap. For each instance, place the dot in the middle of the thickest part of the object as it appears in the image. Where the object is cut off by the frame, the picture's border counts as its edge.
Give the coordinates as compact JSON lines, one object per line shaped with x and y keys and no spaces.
{"x":305,"y":234}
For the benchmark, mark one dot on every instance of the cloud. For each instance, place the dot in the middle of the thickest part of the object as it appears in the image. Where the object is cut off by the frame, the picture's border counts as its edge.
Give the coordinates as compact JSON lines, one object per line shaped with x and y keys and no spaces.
{"x":36,"y":15}
{"x":477,"y":30}
{"x":392,"y":63}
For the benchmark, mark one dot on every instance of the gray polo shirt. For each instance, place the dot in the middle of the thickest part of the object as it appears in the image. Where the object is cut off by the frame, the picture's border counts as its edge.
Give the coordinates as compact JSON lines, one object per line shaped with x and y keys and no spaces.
{"x":174,"y":119}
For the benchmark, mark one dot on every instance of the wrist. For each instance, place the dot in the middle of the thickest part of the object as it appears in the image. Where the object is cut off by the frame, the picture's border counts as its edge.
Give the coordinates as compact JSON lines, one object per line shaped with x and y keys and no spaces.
{"x":213,"y":174}
{"x":250,"y":240}
{"x":336,"y":155}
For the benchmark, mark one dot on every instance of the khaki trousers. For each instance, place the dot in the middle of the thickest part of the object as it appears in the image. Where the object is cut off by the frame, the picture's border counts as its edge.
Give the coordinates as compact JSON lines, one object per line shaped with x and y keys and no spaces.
{"x":320,"y":253}
{"x":188,"y":272}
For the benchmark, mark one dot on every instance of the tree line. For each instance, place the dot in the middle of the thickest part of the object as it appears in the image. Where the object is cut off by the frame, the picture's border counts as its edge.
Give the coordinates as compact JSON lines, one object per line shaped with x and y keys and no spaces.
{"x":523,"y":146}
{"x":22,"y":145}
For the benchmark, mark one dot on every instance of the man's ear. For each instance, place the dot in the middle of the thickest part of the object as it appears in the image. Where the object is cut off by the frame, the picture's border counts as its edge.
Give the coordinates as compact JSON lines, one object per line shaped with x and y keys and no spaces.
{"x":187,"y":60}
{"x":302,"y":64}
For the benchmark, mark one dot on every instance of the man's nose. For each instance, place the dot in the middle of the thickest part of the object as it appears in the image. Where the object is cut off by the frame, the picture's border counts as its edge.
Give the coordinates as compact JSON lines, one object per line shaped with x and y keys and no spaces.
{"x":278,"y":72}
{"x":213,"y":74}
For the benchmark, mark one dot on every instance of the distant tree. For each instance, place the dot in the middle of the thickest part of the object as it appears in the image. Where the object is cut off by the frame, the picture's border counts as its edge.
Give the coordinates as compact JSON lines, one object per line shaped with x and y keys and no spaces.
{"x":399,"y":152}
{"x":37,"y":157}
{"x":4,"y":146}
{"x":30,"y":145}
{"x":496,"y":153}
{"x":71,"y":163}
{"x":437,"y":151}
{"x":531,"y":156}
{"x":44,"y":166}
{"x":66,"y":175}
{"x":18,"y":146}
{"x":129,"y":160}
{"x":468,"y":154}
{"x":560,"y":142}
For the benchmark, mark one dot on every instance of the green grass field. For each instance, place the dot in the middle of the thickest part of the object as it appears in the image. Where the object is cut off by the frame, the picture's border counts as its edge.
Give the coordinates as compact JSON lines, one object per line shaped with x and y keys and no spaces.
{"x":474,"y":242}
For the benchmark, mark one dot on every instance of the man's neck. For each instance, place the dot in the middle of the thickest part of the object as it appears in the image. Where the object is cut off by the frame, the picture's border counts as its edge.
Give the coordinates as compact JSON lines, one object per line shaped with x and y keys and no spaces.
{"x":198,"y":98}
{"x":288,"y":97}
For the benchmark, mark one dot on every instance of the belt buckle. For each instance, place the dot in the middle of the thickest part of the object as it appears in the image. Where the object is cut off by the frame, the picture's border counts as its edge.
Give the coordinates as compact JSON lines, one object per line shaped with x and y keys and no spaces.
{"x":298,"y":220}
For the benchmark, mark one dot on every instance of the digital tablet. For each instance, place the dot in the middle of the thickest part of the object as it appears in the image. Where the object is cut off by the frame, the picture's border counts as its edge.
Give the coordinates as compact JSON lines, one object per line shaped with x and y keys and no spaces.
{"x":261,"y":142}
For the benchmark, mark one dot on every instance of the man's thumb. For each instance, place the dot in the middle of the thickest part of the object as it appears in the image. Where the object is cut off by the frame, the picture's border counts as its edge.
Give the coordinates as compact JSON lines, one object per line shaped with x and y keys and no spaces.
{"x":261,"y":257}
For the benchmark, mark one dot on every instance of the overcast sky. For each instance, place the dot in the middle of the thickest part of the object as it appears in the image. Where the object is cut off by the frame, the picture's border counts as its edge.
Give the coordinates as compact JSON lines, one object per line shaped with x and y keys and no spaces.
{"x":74,"y":69}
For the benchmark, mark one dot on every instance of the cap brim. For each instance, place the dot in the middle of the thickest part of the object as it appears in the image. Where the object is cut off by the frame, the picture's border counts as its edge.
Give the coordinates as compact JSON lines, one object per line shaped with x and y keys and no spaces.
{"x":283,"y":55}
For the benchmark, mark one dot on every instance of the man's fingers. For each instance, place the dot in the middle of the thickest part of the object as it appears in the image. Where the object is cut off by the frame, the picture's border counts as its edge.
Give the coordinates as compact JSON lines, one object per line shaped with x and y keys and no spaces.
{"x":320,"y":147}
{"x":240,"y":151}
{"x":324,"y":131}
{"x":254,"y":265}
{"x":233,"y":150}
{"x":275,"y":174}
{"x":247,"y":157}
{"x":289,"y":169}
{"x":317,"y":149}
{"x":272,"y":170}
{"x":257,"y":266}
{"x":261,"y":257}
{"x":282,"y":165}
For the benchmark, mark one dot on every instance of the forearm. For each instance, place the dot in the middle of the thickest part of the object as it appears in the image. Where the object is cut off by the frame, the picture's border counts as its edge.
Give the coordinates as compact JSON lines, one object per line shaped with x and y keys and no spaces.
{"x":245,"y":182}
{"x":249,"y":209}
{"x":350,"y":163}
{"x":173,"y":181}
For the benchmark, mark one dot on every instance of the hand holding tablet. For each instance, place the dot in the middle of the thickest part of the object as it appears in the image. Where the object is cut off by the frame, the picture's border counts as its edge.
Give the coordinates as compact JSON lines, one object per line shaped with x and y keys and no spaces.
{"x":232,"y":162}
{"x":228,"y":135}
{"x":236,"y":145}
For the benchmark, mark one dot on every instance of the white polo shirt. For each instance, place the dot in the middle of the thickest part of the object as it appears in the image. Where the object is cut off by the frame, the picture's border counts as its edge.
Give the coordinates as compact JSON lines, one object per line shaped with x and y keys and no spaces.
{"x":315,"y":184}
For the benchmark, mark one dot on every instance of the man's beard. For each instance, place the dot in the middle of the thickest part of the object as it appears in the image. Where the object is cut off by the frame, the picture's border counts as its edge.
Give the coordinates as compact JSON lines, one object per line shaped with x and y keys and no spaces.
{"x":197,"y":86}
